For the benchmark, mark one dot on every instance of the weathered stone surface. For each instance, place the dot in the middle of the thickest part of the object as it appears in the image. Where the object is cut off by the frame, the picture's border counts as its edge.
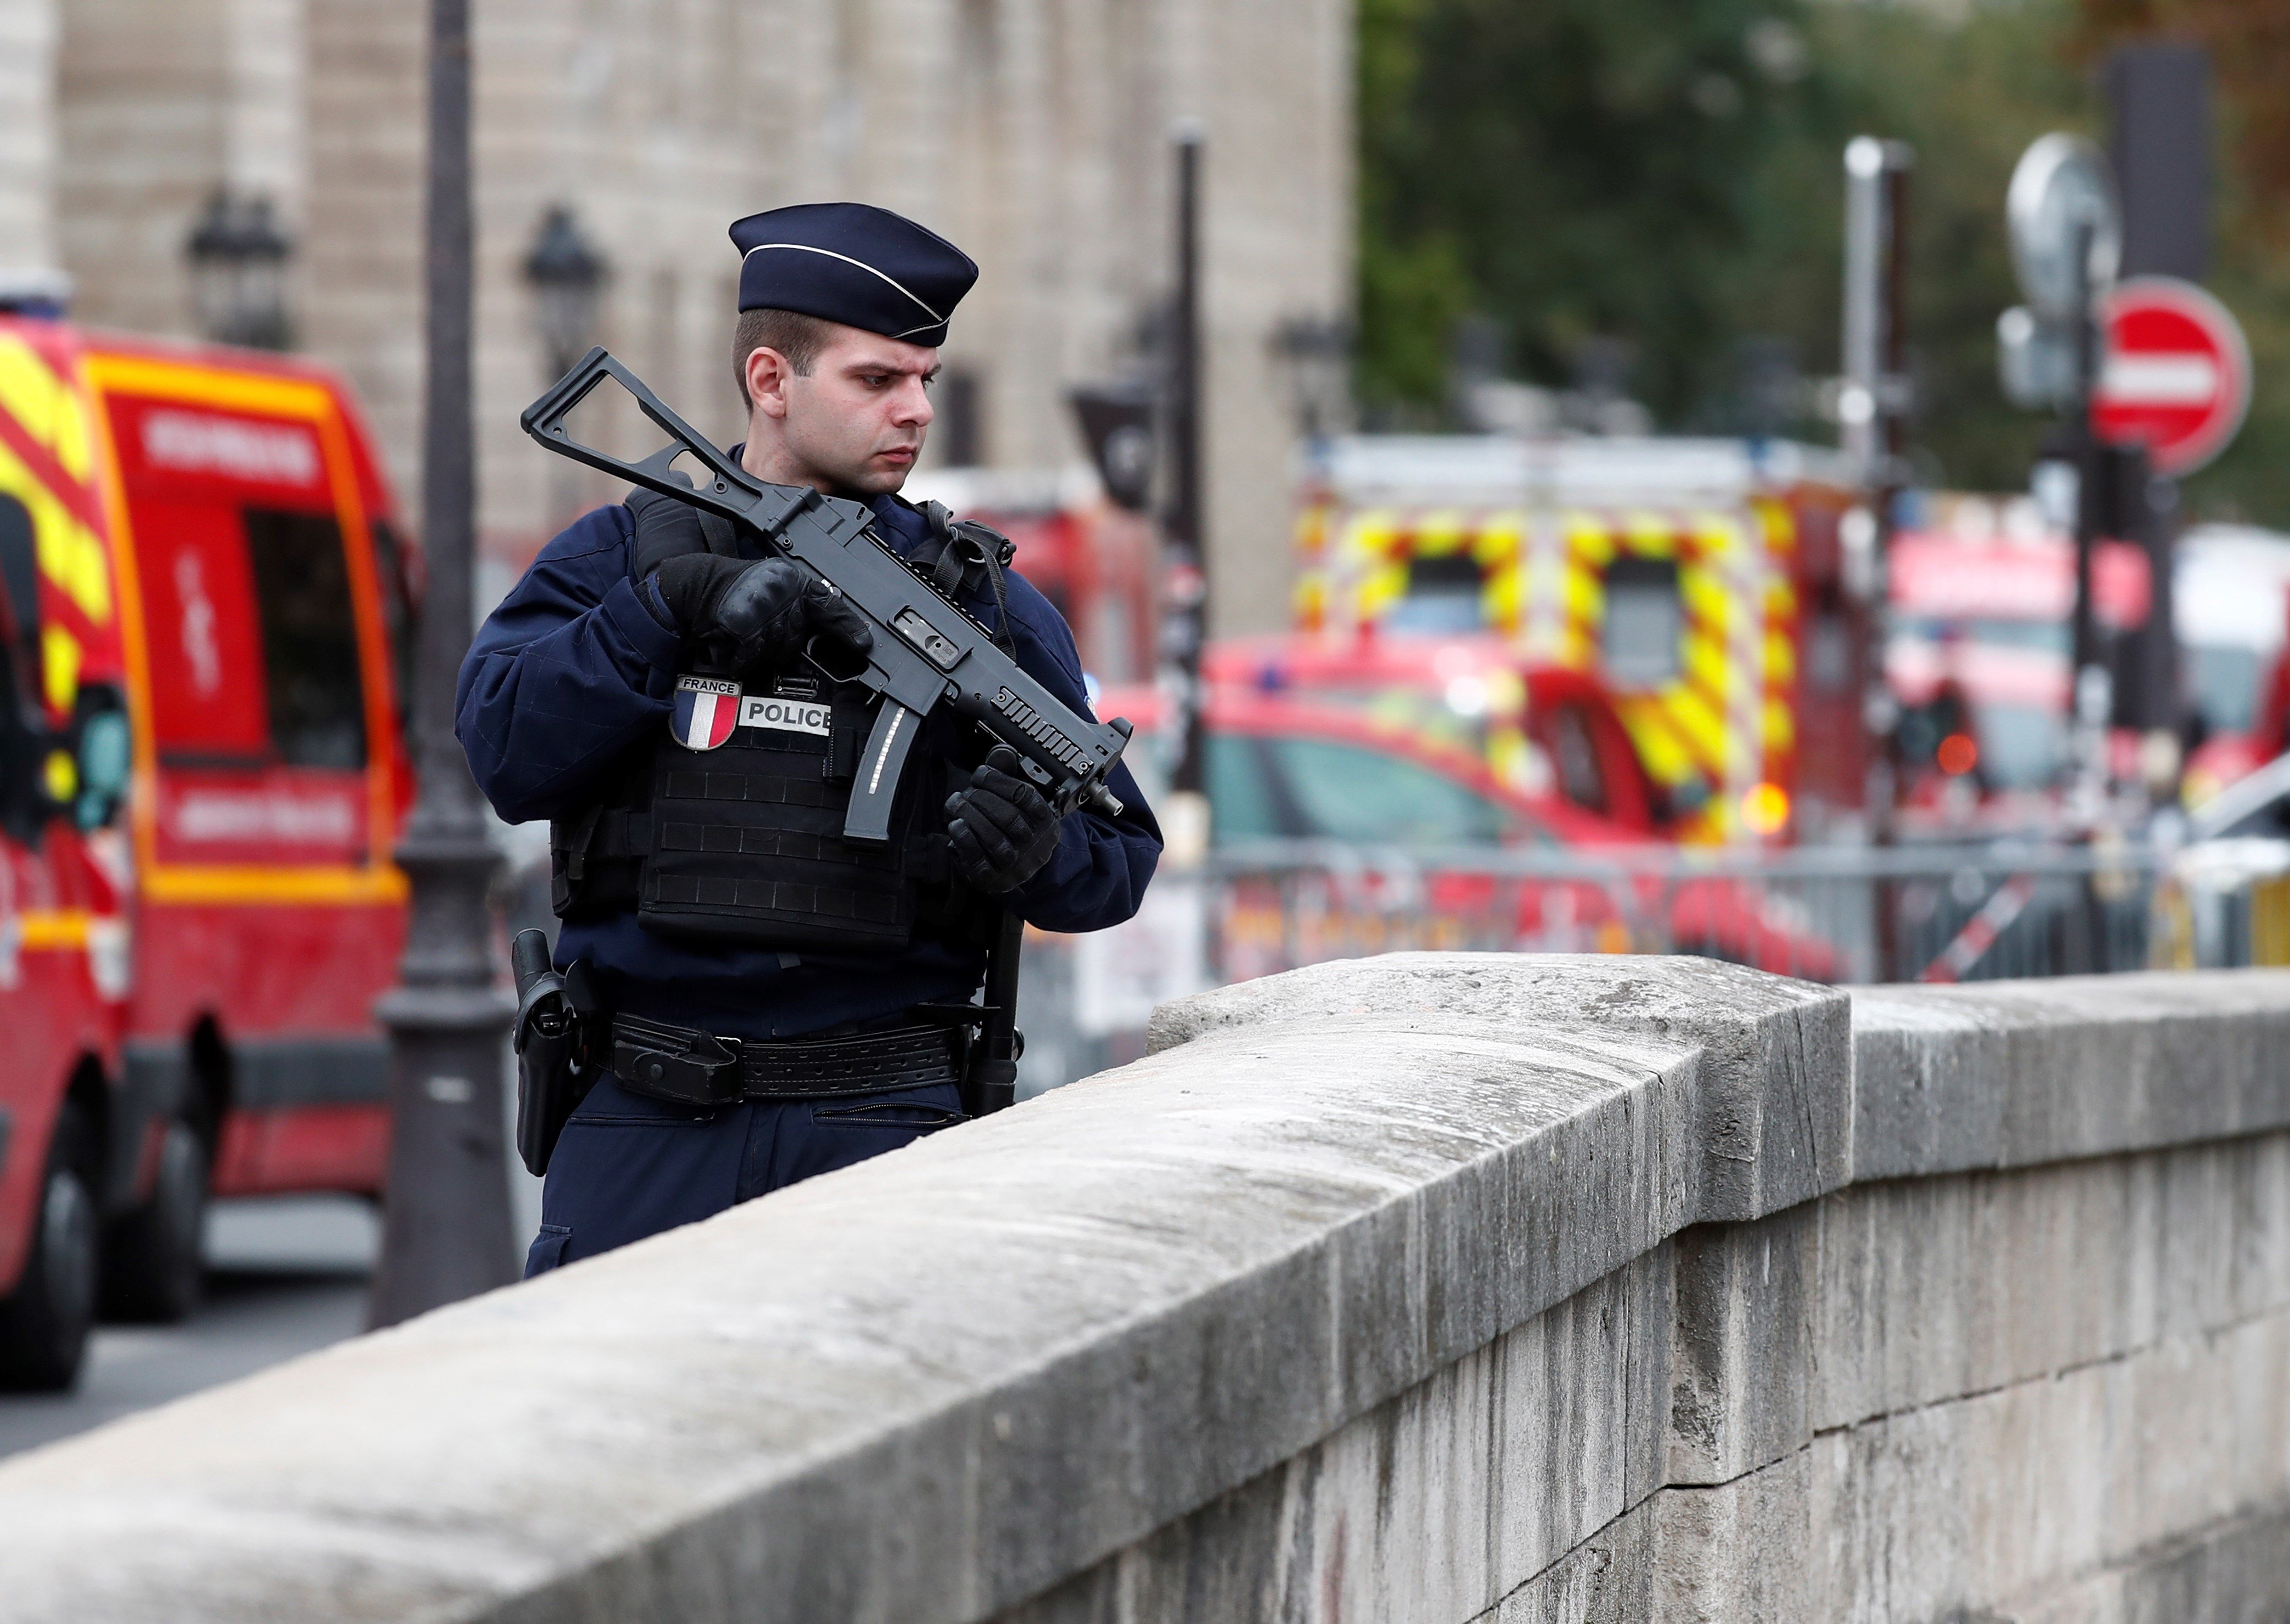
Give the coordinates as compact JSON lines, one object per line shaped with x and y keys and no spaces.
{"x":958,"y":1374}
{"x":2015,"y":1074}
{"x":1436,"y":1504}
{"x":1934,"y":1287}
{"x":1744,"y":1370}
{"x":2010,"y":1501}
{"x":1417,"y":1290}
{"x":1774,"y":1118}
{"x":2238,"y":1571}
{"x":2032,"y":1488}
{"x":1608,"y":1579}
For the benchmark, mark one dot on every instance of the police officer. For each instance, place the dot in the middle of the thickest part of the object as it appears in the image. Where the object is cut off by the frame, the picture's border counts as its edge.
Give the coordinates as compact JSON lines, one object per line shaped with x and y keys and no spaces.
{"x":771,"y":1002}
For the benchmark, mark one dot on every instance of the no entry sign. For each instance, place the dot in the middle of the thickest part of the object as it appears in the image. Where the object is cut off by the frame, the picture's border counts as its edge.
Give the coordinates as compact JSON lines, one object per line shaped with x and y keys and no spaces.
{"x":2176,"y":373}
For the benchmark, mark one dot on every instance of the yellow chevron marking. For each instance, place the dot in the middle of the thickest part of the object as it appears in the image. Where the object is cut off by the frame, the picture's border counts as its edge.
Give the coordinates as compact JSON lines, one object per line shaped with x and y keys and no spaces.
{"x":1708,"y":602}
{"x":1589,"y":541}
{"x":1779,"y":727}
{"x":1501,"y":540}
{"x":1655,"y":737}
{"x":1705,"y":662}
{"x":1781,"y":657}
{"x":1439,"y":534}
{"x":69,"y":553}
{"x":1651,"y":536}
{"x":1585,"y":596}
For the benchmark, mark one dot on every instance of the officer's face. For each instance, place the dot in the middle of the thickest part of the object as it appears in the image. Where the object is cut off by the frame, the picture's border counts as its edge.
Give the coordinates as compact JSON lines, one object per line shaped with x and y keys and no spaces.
{"x":857,"y":423}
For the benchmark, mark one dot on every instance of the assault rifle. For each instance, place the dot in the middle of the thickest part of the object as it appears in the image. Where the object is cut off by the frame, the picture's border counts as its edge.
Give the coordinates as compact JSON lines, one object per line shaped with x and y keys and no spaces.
{"x":927,"y":651}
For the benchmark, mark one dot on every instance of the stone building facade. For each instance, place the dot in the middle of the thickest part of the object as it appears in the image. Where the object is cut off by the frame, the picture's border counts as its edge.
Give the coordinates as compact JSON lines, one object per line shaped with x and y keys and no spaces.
{"x":1036,"y":133}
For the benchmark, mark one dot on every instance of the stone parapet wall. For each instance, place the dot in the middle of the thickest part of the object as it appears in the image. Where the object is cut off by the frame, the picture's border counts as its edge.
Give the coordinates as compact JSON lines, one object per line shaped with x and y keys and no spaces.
{"x":1434,"y":1287}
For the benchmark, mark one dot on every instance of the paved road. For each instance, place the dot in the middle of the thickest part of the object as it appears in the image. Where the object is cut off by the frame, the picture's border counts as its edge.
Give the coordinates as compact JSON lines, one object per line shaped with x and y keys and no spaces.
{"x":289,"y":1276}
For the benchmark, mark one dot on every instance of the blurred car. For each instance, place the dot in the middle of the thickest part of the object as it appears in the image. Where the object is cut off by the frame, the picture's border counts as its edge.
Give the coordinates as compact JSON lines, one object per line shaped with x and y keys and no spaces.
{"x":1280,"y":769}
{"x":1542,"y":730}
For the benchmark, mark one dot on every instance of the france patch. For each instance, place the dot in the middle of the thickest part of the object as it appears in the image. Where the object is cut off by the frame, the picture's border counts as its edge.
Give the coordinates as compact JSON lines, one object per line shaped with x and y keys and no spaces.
{"x":707,"y":708}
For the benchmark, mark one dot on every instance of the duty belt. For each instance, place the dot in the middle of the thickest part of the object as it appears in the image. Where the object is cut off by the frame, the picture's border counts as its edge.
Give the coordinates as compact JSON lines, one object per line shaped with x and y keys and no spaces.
{"x":694,"y":1068}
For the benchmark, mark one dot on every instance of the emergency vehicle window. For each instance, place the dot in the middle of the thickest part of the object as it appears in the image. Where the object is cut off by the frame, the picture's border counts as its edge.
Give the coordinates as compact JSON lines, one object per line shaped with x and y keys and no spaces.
{"x":1347,"y":793}
{"x":1645,"y":618}
{"x":20,"y":595}
{"x":1574,"y":758}
{"x":1829,"y":654}
{"x":2021,"y":746}
{"x":310,"y":638}
{"x":2226,"y":677}
{"x":1443,"y":596}
{"x":1240,"y":795}
{"x":17,"y":749}
{"x":20,"y":722}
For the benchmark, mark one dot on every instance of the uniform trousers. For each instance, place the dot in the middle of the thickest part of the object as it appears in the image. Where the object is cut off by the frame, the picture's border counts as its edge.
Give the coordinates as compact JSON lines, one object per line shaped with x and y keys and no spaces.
{"x":629,"y":1166}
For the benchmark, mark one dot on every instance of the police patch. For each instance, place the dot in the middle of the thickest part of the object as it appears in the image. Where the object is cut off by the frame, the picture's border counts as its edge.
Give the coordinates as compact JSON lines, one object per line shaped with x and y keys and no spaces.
{"x":705,"y":711}
{"x":786,"y":715}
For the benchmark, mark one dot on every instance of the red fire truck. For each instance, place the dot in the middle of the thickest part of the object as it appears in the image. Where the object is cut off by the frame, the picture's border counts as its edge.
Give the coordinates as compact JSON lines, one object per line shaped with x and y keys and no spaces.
{"x":202,"y":597}
{"x":1703,"y":584}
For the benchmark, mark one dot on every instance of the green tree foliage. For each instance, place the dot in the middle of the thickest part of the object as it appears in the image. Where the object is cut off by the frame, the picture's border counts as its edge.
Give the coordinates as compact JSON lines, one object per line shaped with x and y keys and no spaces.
{"x":1670,"y":172}
{"x":1969,"y":96}
{"x":1573,"y":168}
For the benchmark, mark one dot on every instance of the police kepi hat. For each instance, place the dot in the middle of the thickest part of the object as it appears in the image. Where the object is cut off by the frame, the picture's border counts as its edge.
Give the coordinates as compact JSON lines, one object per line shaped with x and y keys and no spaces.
{"x":854,"y":263}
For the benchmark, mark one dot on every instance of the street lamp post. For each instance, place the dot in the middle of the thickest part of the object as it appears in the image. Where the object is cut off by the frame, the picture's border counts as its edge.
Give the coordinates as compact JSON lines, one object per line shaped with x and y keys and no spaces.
{"x":1184,"y":620}
{"x":1871,"y":409}
{"x":446,"y":1231}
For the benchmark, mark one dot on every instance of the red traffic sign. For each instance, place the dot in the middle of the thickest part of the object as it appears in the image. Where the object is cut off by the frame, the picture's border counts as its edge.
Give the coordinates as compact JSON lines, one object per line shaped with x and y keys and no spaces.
{"x":2175,"y":375}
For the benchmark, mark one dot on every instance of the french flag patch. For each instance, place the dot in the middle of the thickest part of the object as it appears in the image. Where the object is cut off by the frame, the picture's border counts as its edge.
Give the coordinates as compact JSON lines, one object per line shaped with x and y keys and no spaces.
{"x":707,"y":709}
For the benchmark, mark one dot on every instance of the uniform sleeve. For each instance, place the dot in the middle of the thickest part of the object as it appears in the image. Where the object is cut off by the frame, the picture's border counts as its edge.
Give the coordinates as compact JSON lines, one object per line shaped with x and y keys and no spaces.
{"x":1099,"y":874}
{"x":564,"y":674}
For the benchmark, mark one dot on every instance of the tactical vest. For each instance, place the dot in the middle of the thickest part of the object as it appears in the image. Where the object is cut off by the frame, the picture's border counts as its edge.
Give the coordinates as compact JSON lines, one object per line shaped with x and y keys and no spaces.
{"x":725,"y":824}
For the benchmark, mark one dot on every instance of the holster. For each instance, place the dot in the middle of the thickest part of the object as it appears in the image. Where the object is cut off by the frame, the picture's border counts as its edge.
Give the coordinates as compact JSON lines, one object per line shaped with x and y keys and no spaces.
{"x":552,"y":1077}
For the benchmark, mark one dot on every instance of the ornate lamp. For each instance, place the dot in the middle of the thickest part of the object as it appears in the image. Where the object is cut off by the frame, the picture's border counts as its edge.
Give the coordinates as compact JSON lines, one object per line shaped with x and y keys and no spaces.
{"x":566,"y":275}
{"x":238,"y":258}
{"x":1315,"y":356}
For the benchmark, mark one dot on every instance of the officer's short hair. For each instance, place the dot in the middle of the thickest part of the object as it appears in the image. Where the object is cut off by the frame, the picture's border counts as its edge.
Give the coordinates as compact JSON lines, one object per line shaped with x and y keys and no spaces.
{"x":798,"y":337}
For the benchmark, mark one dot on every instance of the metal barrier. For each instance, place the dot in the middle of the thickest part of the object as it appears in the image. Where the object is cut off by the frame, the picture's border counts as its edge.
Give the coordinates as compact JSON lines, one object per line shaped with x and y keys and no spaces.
{"x":2003,"y":909}
{"x":1956,"y":913}
{"x":1933,"y":913}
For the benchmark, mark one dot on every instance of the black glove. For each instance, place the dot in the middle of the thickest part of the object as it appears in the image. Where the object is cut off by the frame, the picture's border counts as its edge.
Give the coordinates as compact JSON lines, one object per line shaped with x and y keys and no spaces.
{"x":667,"y":528}
{"x":757,"y":614}
{"x":1001,"y":828}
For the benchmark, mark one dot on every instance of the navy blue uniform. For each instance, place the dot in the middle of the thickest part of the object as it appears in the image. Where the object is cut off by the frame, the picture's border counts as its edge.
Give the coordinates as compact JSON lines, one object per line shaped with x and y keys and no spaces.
{"x":570,"y":670}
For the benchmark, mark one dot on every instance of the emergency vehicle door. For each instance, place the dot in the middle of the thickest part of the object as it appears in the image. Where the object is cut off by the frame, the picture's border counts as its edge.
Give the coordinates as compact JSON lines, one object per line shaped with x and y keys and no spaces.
{"x":257,"y":707}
